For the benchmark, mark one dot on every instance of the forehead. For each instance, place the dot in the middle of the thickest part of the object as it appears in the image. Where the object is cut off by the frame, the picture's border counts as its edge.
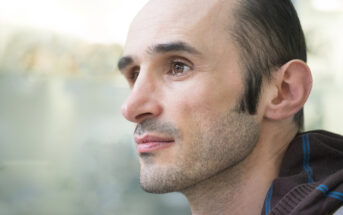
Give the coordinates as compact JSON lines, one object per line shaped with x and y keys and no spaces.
{"x":197,"y":22}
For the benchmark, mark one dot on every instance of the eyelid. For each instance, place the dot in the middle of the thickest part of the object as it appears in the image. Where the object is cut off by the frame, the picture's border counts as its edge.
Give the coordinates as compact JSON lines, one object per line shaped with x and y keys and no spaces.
{"x":187,"y":68}
{"x":132,"y":73}
{"x":177,"y":59}
{"x":132,"y":70}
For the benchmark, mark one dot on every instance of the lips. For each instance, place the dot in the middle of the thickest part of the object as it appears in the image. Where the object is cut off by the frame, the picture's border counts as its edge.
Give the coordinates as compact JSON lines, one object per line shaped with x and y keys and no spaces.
{"x":149,"y":143}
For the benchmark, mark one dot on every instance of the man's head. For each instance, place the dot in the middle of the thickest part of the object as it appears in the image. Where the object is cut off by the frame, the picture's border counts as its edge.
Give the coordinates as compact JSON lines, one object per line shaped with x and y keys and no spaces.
{"x":201,"y":85}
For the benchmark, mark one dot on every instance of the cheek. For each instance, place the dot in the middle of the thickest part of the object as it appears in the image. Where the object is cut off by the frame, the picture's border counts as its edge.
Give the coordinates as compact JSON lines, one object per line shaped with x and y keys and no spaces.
{"x":194,"y":103}
{"x":207,"y":99}
{"x":192,"y":109}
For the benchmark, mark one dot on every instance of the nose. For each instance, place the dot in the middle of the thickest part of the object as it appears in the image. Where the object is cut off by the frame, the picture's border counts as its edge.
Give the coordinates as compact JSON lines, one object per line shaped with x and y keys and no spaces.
{"x":142,"y":102}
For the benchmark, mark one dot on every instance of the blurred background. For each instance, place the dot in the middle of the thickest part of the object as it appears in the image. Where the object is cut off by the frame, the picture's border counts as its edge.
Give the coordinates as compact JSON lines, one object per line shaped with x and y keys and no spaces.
{"x":64,"y":147}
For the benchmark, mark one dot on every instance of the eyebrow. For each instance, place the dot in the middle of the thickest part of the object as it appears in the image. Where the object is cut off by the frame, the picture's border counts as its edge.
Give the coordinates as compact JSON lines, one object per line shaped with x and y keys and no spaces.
{"x":172,"y":47}
{"x":124,"y":62}
{"x":160,"y":49}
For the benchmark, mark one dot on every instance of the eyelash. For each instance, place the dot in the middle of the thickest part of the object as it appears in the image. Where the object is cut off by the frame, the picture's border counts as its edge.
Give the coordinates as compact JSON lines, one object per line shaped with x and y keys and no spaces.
{"x":178,"y":61}
{"x":134,"y":72}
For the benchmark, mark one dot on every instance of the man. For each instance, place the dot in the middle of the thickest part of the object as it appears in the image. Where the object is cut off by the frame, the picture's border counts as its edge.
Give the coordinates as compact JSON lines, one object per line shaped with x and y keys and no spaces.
{"x":217,"y":94}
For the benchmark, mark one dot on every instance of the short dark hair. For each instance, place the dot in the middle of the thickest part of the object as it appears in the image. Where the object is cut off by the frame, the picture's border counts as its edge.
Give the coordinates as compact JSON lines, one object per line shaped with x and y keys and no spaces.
{"x":268,"y":34}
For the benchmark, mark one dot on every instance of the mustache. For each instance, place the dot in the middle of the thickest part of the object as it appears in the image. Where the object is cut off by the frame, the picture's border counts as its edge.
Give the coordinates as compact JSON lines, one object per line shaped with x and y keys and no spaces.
{"x":151,"y":125}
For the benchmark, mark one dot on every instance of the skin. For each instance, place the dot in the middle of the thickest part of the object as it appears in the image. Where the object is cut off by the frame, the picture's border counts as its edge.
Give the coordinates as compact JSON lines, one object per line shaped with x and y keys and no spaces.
{"x":222,"y":160}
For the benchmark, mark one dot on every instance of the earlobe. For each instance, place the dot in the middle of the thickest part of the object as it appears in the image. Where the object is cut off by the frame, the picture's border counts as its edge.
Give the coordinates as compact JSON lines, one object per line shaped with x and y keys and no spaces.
{"x":292,"y":84}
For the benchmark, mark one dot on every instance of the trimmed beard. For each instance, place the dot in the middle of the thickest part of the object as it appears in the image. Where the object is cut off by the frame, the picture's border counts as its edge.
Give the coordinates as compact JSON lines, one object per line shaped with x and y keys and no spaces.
{"x":219,"y":145}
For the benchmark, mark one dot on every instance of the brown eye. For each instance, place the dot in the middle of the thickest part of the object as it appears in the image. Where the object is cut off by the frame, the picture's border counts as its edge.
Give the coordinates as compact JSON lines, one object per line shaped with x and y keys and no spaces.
{"x":133,"y":74}
{"x":178,"y":68}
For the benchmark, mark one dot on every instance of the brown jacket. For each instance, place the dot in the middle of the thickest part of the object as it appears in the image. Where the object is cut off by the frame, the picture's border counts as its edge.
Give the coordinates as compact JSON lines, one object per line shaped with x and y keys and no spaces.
{"x":311,"y":177}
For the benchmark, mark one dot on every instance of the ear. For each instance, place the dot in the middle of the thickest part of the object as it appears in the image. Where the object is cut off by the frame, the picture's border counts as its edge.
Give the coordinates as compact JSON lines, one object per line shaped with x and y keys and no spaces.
{"x":291,"y":85}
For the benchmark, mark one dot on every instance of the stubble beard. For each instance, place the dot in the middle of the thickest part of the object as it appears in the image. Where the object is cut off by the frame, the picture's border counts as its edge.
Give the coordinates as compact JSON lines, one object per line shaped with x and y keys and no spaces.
{"x":218,"y":145}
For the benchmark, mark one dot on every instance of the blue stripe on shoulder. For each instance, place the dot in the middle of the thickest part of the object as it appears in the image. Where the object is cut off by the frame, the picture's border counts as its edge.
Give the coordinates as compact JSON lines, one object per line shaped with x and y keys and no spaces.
{"x":268,"y":199}
{"x":325,"y":190}
{"x":334,"y":196}
{"x":306,"y":157}
{"x":337,"y":193}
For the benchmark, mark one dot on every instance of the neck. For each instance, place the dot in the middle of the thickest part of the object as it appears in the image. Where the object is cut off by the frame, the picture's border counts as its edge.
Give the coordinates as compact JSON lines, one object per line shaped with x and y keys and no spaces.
{"x":242,"y":189}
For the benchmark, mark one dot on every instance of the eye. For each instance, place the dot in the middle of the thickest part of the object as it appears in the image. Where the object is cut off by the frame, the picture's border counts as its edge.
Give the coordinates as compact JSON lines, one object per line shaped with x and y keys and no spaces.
{"x":133,"y":74}
{"x":178,"y":68}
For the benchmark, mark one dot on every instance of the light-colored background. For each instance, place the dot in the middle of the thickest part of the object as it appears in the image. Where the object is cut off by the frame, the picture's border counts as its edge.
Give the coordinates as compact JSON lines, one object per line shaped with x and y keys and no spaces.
{"x":64,"y":147}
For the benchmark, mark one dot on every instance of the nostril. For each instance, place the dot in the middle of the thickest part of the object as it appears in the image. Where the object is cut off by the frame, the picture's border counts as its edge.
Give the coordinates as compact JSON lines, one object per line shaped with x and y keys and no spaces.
{"x":143,"y":116}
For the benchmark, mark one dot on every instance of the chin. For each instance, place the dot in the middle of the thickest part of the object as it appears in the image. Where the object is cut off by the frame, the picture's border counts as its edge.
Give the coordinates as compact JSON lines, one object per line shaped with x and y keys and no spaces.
{"x":155,"y":188}
{"x":163,"y":180}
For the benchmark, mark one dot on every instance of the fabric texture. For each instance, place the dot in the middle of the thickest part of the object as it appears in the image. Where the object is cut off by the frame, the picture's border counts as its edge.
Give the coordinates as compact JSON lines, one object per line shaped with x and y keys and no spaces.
{"x":310,"y":181}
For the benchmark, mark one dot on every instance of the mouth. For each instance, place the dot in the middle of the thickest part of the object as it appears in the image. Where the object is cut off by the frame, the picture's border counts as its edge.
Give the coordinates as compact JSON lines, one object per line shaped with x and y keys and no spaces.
{"x":150,"y":143}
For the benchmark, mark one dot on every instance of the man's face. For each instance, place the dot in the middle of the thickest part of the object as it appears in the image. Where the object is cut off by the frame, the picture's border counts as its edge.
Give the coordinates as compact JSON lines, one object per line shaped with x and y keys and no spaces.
{"x":186,"y":85}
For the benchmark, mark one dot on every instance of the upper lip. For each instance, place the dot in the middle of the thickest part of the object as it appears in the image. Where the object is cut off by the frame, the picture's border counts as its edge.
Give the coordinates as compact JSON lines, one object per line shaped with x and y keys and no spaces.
{"x":151,"y":138}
